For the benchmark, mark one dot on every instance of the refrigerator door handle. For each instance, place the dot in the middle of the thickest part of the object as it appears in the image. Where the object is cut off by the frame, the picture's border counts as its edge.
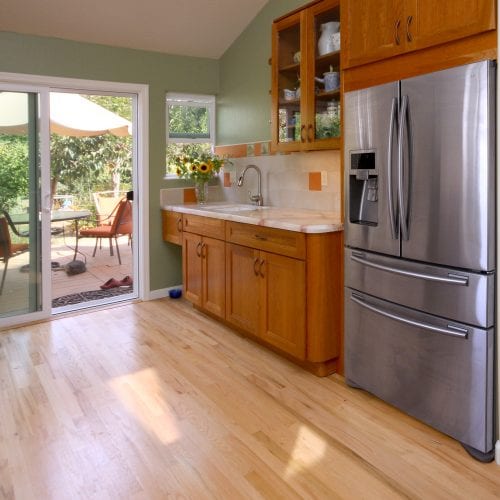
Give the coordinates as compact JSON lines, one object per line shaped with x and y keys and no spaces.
{"x":453,"y":331}
{"x":403,"y":221}
{"x":392,"y":214}
{"x":452,"y":279}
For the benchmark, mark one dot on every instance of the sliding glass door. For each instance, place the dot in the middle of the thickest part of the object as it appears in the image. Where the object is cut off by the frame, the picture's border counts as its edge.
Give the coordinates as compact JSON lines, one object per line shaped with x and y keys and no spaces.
{"x":21,"y":205}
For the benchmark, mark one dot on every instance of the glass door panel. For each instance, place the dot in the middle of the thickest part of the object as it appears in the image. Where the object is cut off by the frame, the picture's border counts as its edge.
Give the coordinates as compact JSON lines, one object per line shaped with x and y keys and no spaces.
{"x":327,"y":74}
{"x":20,"y":242}
{"x":289,"y":89}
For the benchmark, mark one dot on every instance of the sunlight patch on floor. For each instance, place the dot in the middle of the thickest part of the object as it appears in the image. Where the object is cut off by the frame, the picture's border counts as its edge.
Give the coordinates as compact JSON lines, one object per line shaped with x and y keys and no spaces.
{"x":140,"y":393}
{"x":309,"y":449}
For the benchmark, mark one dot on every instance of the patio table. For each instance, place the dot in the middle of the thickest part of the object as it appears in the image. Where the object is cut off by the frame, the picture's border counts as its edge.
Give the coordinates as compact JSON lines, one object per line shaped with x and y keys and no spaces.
{"x":58,"y":216}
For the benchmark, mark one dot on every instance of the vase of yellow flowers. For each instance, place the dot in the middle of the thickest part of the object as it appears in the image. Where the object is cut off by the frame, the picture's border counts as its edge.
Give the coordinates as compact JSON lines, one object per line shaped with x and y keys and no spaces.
{"x":200,"y":168}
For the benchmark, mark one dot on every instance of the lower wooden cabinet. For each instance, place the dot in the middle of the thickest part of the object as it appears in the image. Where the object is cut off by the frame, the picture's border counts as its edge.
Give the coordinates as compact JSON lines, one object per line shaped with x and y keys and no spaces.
{"x":172,"y":226}
{"x":203,"y":261}
{"x":281,"y":287}
{"x":265,"y":296}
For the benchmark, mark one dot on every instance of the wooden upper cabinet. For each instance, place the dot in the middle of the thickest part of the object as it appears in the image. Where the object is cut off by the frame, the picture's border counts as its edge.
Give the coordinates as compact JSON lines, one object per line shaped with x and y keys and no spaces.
{"x":305,"y":115}
{"x":378,"y":29}
{"x":432,"y":23}
{"x":371,"y":30}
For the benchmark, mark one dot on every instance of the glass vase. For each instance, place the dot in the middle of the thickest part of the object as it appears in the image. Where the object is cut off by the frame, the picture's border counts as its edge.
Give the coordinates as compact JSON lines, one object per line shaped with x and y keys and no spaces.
{"x":201,"y":191}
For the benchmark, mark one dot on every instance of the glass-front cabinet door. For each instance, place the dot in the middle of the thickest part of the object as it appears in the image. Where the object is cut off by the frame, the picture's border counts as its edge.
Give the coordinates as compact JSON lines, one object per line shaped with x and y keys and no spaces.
{"x":306,"y":79}
{"x":323,"y":23}
{"x":288,"y":126}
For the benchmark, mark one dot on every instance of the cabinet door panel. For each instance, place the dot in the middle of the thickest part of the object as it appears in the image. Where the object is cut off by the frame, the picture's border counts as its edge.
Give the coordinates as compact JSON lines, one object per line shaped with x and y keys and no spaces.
{"x":242,"y":288}
{"x":172,"y":226}
{"x":283,"y":309}
{"x":371,"y":30}
{"x":191,"y":267}
{"x":434,"y":22}
{"x":214,"y":284}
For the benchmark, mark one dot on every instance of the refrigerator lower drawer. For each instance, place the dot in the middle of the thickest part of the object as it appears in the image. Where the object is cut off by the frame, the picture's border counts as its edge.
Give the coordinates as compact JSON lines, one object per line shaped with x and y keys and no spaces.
{"x":438,"y":371}
{"x":464,"y":296}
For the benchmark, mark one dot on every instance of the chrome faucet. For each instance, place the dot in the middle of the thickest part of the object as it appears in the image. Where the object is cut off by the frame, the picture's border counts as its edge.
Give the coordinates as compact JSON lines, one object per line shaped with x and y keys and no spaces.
{"x":256,"y":198}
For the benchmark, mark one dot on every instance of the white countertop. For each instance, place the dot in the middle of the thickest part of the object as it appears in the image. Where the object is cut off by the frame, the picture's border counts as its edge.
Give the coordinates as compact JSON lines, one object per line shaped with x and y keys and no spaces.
{"x":291,"y":219}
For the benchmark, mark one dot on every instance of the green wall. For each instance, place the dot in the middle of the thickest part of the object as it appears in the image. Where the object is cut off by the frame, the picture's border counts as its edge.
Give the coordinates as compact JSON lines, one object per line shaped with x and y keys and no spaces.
{"x":244,"y":103}
{"x":55,"y":57}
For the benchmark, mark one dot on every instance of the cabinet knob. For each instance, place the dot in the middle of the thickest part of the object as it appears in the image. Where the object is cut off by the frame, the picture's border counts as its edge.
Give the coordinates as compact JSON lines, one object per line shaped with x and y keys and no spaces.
{"x":396,"y":31}
{"x":408,"y":24}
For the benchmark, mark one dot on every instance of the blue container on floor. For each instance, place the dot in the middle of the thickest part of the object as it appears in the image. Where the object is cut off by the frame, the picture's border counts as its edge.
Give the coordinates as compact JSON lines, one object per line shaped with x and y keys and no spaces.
{"x":175,"y":293}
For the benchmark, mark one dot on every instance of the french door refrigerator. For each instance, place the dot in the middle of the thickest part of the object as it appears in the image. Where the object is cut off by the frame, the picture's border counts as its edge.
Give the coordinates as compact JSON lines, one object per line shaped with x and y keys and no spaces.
{"x":420,"y":248}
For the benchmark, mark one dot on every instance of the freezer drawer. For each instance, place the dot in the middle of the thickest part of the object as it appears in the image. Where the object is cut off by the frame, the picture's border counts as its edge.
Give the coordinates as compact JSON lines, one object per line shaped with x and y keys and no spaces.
{"x":438,"y":371}
{"x":464,"y":296}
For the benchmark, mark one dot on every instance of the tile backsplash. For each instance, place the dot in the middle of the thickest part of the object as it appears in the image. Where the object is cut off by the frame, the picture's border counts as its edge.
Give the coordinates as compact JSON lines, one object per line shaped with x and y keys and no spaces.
{"x":292,"y":180}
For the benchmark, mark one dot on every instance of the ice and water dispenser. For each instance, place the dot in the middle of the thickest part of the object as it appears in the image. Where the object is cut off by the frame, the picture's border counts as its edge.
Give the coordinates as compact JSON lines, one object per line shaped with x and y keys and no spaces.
{"x":363,"y":188}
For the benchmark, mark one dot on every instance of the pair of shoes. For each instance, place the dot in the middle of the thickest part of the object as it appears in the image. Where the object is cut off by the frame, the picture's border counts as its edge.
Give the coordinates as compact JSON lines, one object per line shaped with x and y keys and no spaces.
{"x":111,"y":283}
{"x":127,"y":281}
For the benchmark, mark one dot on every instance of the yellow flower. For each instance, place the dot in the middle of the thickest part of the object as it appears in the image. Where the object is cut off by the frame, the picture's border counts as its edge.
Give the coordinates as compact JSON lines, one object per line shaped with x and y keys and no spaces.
{"x":204,"y":167}
{"x":193,"y":167}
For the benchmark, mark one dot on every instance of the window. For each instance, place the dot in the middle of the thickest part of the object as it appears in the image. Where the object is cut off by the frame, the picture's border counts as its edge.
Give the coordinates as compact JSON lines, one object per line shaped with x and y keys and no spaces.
{"x":190,"y":125}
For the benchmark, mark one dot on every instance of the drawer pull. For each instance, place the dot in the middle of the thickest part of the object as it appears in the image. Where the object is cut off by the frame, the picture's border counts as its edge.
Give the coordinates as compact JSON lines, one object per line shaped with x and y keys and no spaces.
{"x":203,"y":250}
{"x":262,"y":262}
{"x":260,"y":237}
{"x":396,"y":32}
{"x":255,"y":262}
{"x":198,"y":249}
{"x":179,"y":224}
{"x":408,"y":24}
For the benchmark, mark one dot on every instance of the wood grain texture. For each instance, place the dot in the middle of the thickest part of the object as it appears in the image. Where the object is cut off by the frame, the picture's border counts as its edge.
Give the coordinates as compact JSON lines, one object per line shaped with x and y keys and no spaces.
{"x":464,"y":51}
{"x":155,"y":400}
{"x":325,"y":282}
{"x":206,"y":226}
{"x":172,"y":226}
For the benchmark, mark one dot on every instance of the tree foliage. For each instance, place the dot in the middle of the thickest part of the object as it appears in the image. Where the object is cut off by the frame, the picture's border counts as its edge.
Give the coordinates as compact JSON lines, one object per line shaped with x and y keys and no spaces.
{"x":13,"y":170}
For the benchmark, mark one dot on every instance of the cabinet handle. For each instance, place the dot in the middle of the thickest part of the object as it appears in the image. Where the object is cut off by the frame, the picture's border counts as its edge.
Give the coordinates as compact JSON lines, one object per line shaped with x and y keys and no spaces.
{"x":302,"y":136}
{"x":260,"y":237}
{"x":408,"y":24}
{"x":186,"y":222}
{"x":262,"y":262}
{"x":255,"y":262}
{"x":179,"y":224}
{"x":203,"y":250}
{"x":198,"y":249}
{"x":310,"y":133}
{"x":396,"y":31}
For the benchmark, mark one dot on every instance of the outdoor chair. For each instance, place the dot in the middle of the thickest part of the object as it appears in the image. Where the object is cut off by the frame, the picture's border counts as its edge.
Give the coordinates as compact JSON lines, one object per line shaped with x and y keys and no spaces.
{"x":7,"y":248}
{"x":105,"y":204}
{"x":121,"y":225}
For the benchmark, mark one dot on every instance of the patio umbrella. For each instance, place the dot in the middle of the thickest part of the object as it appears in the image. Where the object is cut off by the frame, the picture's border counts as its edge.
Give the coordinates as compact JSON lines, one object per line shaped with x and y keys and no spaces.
{"x":70,"y":114}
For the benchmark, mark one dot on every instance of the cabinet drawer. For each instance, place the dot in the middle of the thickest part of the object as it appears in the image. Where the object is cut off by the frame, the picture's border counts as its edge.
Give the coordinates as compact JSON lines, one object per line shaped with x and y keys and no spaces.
{"x":206,"y":226}
{"x":172,"y":226}
{"x":280,"y":241}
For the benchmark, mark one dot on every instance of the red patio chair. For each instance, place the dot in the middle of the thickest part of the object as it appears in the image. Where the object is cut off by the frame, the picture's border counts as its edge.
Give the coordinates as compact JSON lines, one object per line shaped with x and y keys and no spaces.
{"x":121,"y":226}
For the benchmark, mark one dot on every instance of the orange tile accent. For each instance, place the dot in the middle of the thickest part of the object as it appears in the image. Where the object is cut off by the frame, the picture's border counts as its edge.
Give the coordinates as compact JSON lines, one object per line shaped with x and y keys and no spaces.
{"x":227,"y":180}
{"x":234,"y":151}
{"x":314,"y":181}
{"x":189,"y":195}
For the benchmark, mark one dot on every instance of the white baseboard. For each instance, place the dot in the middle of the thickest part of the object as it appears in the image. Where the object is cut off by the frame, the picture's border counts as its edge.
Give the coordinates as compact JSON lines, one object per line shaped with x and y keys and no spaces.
{"x":161,"y":293}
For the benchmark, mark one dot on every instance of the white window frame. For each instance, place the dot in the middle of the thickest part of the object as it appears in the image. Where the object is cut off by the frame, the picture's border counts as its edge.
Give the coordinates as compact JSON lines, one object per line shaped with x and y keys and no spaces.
{"x":194,"y":100}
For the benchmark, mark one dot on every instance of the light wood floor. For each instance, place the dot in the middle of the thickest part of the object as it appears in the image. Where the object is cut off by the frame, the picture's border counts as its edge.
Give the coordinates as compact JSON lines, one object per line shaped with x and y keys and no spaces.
{"x":155,"y":400}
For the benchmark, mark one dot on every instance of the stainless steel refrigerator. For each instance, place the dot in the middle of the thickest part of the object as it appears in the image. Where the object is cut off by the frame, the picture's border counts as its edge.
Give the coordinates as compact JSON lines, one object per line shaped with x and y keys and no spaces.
{"x":420,"y":248}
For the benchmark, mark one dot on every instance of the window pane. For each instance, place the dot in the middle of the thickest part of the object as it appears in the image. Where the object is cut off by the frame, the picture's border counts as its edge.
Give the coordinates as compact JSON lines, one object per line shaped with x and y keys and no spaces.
{"x":188,"y":122}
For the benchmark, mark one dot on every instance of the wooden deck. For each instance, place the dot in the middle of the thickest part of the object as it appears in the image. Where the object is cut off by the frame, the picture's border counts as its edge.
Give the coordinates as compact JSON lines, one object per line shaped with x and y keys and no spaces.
{"x":99,"y":269}
{"x":155,"y":400}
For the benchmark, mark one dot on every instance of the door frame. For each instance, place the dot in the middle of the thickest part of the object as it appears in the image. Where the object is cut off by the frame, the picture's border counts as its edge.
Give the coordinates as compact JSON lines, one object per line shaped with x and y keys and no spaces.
{"x":44,"y":85}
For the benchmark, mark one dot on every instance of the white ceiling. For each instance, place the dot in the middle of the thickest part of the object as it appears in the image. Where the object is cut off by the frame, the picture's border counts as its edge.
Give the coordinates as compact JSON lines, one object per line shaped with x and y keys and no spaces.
{"x":203,"y":28}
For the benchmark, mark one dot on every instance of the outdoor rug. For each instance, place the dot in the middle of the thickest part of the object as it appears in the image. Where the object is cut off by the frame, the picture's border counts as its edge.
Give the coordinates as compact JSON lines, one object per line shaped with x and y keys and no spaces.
{"x":77,"y":298}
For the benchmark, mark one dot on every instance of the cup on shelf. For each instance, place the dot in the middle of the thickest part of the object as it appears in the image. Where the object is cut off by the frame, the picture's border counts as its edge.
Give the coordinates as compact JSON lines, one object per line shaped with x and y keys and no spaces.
{"x":289,"y":95}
